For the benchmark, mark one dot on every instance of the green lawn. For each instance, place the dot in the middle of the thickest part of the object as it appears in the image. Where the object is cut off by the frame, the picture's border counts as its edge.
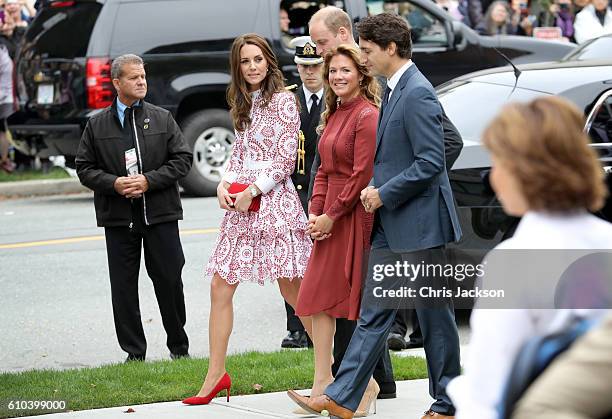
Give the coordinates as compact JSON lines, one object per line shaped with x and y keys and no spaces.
{"x":54,"y":173}
{"x":139,"y":383}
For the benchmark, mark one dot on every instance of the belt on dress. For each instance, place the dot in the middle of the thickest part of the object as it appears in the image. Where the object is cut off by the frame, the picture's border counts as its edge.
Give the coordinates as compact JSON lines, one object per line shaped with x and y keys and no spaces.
{"x":337,"y":179}
{"x":256,"y":164}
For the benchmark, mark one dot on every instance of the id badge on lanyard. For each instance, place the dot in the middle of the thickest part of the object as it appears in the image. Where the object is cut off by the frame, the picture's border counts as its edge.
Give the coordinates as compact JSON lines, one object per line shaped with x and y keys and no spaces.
{"x":131,"y":162}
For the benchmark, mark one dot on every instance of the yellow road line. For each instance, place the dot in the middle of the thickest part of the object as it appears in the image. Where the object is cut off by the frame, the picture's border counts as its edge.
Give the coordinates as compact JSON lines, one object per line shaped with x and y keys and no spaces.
{"x":71,"y":240}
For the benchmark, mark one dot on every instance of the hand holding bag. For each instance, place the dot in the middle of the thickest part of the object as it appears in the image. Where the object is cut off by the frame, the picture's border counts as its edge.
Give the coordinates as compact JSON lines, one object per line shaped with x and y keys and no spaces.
{"x":235,"y":188}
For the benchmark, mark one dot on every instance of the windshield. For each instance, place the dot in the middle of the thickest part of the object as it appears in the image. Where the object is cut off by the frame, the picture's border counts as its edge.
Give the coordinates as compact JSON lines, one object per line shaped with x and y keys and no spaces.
{"x":472,"y":105}
{"x":63,"y":32}
{"x":599,"y":48}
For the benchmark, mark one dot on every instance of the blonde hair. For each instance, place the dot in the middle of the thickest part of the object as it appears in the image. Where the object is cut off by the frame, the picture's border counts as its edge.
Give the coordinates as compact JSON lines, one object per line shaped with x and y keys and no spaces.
{"x":543,"y":143}
{"x":333,"y":18}
{"x":369,"y":88}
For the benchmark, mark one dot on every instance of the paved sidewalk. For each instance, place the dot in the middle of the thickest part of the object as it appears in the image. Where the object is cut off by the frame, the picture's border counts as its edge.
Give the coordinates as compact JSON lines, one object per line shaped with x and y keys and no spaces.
{"x":41,"y":187}
{"x":413,"y":399}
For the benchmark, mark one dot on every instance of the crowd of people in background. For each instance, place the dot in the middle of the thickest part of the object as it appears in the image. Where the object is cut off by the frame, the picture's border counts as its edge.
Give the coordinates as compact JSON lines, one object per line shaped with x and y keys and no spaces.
{"x":576,"y":20}
{"x":379,"y":181}
{"x":15,"y":16}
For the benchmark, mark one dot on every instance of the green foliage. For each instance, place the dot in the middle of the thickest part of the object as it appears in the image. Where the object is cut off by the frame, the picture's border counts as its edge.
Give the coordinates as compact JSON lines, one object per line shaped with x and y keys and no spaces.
{"x":54,"y":173}
{"x":148,"y":382}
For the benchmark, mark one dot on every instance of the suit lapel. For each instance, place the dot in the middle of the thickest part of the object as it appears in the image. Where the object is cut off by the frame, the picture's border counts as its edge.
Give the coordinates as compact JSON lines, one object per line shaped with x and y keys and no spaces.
{"x":396,"y":95}
{"x":303,"y":108}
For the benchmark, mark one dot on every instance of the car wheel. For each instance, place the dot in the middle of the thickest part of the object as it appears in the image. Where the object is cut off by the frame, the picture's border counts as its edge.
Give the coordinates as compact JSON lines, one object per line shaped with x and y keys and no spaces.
{"x":210,"y":134}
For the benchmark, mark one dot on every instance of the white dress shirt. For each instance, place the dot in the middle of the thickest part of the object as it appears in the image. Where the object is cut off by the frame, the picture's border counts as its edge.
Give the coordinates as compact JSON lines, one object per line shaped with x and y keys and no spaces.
{"x":395,"y":78}
{"x":308,"y":95}
{"x":499,"y":334}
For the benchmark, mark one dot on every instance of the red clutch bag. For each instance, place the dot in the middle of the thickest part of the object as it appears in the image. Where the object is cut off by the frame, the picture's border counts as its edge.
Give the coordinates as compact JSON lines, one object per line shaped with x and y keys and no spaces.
{"x":239,"y":187}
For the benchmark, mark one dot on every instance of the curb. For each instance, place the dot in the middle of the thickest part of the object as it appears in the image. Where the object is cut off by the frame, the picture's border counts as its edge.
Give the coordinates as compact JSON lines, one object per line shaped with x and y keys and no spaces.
{"x":26,"y":188}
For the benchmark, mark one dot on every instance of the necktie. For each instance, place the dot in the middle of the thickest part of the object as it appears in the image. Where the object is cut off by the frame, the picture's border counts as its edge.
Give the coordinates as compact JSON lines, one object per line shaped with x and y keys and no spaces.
{"x":386,"y":96}
{"x":314,"y":106}
{"x":385,"y":100}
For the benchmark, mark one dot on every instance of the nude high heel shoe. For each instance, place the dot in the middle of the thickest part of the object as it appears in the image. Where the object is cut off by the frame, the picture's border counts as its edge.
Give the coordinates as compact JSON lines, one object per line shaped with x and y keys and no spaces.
{"x":368,"y":399}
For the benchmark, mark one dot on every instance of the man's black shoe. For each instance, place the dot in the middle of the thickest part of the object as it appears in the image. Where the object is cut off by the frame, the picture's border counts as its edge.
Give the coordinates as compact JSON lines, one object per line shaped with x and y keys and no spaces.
{"x":296,"y":339}
{"x":134,"y":357}
{"x":387,"y":391}
{"x":396,"y":342}
{"x":179,"y":356}
{"x":414,"y":343}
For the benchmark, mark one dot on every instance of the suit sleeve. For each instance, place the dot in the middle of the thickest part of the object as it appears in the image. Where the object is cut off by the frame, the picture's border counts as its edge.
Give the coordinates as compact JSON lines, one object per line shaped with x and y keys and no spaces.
{"x":178,"y":161}
{"x":319,"y":191}
{"x":423,"y":128}
{"x":288,"y":125}
{"x":88,"y":170}
{"x":363,"y":165}
{"x":313,"y":171}
{"x":453,"y":143}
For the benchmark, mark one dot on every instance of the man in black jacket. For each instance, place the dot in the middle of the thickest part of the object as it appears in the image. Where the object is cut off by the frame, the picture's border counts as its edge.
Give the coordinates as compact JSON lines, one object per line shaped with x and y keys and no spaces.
{"x":131,"y":155}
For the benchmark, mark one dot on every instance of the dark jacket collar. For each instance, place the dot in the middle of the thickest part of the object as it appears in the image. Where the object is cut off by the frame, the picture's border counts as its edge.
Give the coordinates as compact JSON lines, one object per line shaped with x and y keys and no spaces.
{"x":139,"y":105}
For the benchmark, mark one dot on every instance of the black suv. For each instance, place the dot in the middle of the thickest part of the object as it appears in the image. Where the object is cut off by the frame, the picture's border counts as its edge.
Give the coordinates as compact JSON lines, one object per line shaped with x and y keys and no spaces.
{"x":64,"y":64}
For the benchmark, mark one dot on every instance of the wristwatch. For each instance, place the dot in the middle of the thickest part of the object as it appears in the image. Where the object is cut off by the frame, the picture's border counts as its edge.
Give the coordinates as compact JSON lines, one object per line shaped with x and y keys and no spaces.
{"x":253,"y":191}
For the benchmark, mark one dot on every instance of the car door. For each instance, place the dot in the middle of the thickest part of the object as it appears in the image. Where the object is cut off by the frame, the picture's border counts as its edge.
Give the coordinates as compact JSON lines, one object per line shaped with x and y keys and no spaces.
{"x":599,"y":128}
{"x":299,"y":13}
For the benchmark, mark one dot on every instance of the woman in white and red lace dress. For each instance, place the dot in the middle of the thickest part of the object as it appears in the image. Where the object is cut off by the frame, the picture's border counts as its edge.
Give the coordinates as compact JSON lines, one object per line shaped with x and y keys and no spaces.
{"x":270,"y":244}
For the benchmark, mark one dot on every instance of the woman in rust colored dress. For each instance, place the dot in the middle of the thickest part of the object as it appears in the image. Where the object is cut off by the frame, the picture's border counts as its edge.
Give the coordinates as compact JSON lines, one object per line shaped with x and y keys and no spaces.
{"x":331,"y":287}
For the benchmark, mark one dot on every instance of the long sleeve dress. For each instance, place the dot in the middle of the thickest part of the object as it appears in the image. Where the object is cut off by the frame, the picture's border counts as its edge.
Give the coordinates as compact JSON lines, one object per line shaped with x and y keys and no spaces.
{"x":333,"y":279}
{"x":271,"y":243}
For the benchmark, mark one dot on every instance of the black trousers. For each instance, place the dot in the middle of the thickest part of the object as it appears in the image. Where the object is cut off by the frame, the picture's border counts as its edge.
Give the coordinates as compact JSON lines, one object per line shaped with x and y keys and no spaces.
{"x":400,"y":325}
{"x":383,"y":372}
{"x":294,"y":324}
{"x":164,"y":261}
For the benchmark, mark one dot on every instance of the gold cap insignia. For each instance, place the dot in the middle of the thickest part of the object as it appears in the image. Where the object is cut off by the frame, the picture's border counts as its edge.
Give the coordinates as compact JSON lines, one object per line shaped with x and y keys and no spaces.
{"x":308,"y":49}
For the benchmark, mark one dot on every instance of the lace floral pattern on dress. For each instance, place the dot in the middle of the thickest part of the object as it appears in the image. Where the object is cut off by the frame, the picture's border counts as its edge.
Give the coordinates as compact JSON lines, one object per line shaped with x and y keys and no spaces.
{"x":272,"y":243}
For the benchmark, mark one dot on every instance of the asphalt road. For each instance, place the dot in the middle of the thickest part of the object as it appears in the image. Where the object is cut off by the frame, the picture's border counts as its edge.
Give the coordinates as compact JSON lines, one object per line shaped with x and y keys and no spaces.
{"x":55,"y":305}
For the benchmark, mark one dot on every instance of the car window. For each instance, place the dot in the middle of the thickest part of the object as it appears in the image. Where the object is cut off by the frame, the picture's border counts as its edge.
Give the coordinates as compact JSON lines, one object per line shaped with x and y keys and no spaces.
{"x":294,"y":16}
{"x":427,"y":30}
{"x":178,"y":26}
{"x":599,"y":123}
{"x":472,"y":105}
{"x":62,"y":32}
{"x":598,"y":49}
{"x":599,"y":128}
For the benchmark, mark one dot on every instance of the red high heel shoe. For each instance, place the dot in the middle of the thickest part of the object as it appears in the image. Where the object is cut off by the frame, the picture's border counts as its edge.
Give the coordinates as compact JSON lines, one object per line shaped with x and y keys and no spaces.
{"x":225,"y":383}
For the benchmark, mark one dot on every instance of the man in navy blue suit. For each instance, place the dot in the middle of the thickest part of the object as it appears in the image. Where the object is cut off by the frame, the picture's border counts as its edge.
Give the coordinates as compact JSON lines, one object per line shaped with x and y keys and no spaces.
{"x":411,"y":197}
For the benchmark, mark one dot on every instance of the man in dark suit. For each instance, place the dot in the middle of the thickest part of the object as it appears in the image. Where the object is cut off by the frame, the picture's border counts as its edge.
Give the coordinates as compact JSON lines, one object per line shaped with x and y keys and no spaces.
{"x":412,"y":200}
{"x":453,"y":144}
{"x":312,"y":104}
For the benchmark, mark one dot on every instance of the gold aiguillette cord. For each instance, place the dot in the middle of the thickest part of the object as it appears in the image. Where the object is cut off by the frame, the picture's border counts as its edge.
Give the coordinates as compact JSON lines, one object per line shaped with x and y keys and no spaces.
{"x":301,"y":153}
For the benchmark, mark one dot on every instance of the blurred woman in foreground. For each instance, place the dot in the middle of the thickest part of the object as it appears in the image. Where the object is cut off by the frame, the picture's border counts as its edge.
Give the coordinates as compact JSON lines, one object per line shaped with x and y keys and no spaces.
{"x":545,"y":172}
